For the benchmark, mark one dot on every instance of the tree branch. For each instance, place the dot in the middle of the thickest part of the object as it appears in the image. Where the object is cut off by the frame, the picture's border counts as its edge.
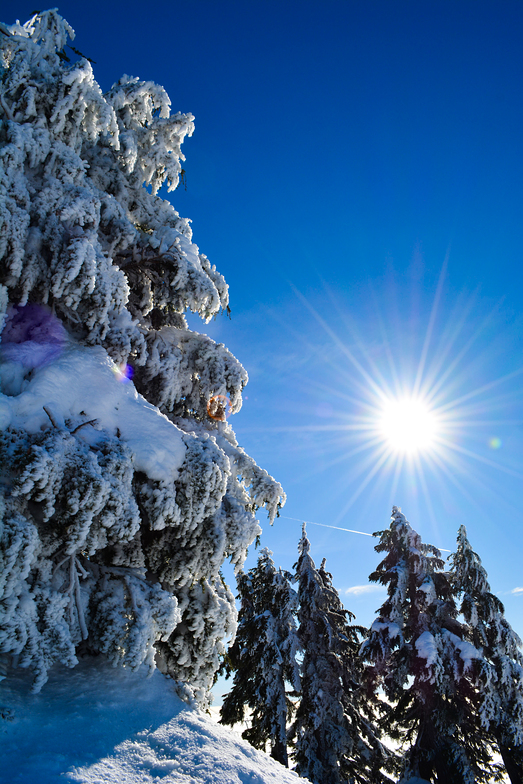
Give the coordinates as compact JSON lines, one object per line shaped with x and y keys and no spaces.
{"x":90,"y":422}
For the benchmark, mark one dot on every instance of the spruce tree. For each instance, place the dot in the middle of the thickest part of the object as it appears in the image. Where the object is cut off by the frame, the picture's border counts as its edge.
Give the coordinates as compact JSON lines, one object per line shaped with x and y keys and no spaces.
{"x":263,"y":657}
{"x":418,"y":655}
{"x":500,"y":671}
{"x":335,"y":740}
{"x":119,"y":499}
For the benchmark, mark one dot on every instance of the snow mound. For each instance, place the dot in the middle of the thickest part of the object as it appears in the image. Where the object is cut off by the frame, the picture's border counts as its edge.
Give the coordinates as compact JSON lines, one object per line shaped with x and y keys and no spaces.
{"x":99,"y":725}
{"x":84,"y":380}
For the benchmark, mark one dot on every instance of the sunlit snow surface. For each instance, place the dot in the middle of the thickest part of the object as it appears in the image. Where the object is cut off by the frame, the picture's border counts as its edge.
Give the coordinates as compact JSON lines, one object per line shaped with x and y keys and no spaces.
{"x":80,"y":384}
{"x":99,"y":725}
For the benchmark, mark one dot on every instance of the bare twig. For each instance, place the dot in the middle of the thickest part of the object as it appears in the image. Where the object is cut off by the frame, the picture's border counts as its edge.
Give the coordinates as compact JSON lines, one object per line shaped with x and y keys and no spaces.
{"x":81,"y":569}
{"x":130,"y":593}
{"x":90,"y":422}
{"x":81,"y":619}
{"x":60,"y":563}
{"x":75,"y":598}
{"x":50,"y":417}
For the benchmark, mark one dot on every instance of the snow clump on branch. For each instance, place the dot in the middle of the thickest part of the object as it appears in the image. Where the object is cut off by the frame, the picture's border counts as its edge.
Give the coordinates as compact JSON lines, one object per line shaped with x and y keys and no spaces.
{"x":119,"y":499}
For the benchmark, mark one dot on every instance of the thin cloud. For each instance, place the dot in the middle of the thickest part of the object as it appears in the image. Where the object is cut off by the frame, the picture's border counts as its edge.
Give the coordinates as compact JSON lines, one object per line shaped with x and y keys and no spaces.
{"x":358,"y":590}
{"x":516,"y":590}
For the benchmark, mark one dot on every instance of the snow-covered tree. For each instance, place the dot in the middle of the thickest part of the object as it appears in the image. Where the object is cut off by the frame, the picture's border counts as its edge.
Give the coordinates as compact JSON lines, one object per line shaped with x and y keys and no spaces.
{"x":500,"y":672}
{"x":119,"y":500}
{"x":263,"y":657}
{"x":335,"y":739}
{"x":421,"y":658}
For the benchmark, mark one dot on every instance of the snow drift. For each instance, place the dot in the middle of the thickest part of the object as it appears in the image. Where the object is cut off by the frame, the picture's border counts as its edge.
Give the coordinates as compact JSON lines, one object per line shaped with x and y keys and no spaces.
{"x":97,"y":724}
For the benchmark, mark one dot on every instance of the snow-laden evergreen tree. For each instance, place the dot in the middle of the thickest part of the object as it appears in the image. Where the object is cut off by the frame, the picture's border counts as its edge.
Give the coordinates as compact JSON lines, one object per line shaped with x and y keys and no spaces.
{"x":422,"y":660}
{"x":119,"y":500}
{"x":500,"y":676}
{"x":335,"y":737}
{"x":263,"y":658}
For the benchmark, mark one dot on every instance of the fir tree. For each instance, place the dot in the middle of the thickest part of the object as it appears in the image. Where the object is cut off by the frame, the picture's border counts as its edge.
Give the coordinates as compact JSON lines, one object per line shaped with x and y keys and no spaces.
{"x":335,"y":740}
{"x":420,"y":658}
{"x":119,"y":500}
{"x":500,"y":672}
{"x":263,"y":657}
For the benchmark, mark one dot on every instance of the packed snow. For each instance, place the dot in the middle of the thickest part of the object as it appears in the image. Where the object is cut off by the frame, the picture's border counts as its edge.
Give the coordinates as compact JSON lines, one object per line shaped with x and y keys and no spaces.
{"x":97,"y":724}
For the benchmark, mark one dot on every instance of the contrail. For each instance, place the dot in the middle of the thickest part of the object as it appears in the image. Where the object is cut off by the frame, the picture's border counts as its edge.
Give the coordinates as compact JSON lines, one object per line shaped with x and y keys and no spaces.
{"x":337,"y":528}
{"x":309,"y":522}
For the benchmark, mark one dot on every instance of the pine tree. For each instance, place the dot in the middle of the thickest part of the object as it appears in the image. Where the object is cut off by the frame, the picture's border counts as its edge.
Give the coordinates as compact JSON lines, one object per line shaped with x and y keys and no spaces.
{"x":119,"y":500}
{"x":335,"y":741}
{"x":263,"y":657}
{"x":500,"y":672}
{"x":420,"y":658}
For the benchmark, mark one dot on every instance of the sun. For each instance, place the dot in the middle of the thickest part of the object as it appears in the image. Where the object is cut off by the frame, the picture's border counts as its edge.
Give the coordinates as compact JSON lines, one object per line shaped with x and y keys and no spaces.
{"x":417,"y":409}
{"x":408,"y":425}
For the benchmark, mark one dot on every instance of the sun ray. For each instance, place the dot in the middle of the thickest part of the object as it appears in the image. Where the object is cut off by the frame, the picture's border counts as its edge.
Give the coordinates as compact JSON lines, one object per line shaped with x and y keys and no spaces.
{"x":430,"y":328}
{"x":357,"y":340}
{"x":307,"y":428}
{"x":435,"y":377}
{"x":461,"y":354}
{"x":428,"y":500}
{"x":368,"y":444}
{"x":491,"y":463}
{"x":315,"y":383}
{"x":385,"y":342}
{"x":459,"y":485}
{"x":346,"y":455}
{"x":396,"y":477}
{"x":378,"y":391}
{"x":385,"y":455}
{"x":482,"y":389}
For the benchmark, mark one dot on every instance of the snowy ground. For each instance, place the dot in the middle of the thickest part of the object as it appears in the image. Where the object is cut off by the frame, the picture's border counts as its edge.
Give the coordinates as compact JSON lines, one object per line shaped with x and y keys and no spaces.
{"x":99,"y":725}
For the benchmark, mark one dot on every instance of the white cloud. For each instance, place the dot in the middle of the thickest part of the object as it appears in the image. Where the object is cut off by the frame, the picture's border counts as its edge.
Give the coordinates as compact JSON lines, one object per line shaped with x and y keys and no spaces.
{"x":516,"y":590}
{"x":357,"y":590}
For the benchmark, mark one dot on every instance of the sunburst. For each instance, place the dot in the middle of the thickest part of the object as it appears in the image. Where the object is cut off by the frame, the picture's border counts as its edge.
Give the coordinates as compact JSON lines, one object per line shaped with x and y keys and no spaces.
{"x":405,"y":421}
{"x":408,"y":425}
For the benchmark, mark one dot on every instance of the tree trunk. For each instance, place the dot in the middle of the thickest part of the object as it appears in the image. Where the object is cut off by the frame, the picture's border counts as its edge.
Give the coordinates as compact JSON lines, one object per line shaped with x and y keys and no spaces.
{"x":513,"y":761}
{"x":433,"y":756}
{"x":447,"y":770}
{"x":279,"y":753}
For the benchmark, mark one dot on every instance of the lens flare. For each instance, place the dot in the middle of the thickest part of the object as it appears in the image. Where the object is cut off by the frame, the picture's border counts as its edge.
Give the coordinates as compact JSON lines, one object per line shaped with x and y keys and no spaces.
{"x":33,"y":336}
{"x":123,"y":372}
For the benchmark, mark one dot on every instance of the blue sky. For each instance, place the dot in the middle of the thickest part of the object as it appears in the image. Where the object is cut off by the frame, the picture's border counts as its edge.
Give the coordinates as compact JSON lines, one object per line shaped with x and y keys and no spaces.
{"x":356,"y":175}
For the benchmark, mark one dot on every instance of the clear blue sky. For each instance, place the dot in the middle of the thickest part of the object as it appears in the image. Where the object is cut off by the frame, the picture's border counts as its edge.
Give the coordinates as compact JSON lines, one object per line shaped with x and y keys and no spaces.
{"x":349,"y":158}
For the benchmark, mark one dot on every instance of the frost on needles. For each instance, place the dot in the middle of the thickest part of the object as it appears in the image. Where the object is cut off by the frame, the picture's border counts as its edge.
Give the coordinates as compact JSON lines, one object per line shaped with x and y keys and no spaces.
{"x":263,"y":658}
{"x":119,"y":500}
{"x":448,"y":662}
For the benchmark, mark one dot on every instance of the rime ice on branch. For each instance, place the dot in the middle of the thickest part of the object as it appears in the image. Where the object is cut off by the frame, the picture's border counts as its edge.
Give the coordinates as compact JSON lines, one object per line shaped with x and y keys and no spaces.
{"x":336,"y":740}
{"x":263,"y":657}
{"x":119,"y":500}
{"x":500,"y":677}
{"x":421,"y":656}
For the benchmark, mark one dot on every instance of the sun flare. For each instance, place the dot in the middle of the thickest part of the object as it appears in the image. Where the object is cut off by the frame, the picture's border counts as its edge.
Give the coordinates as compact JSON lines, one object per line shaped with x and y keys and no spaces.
{"x":416,"y":412}
{"x":408,"y":425}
